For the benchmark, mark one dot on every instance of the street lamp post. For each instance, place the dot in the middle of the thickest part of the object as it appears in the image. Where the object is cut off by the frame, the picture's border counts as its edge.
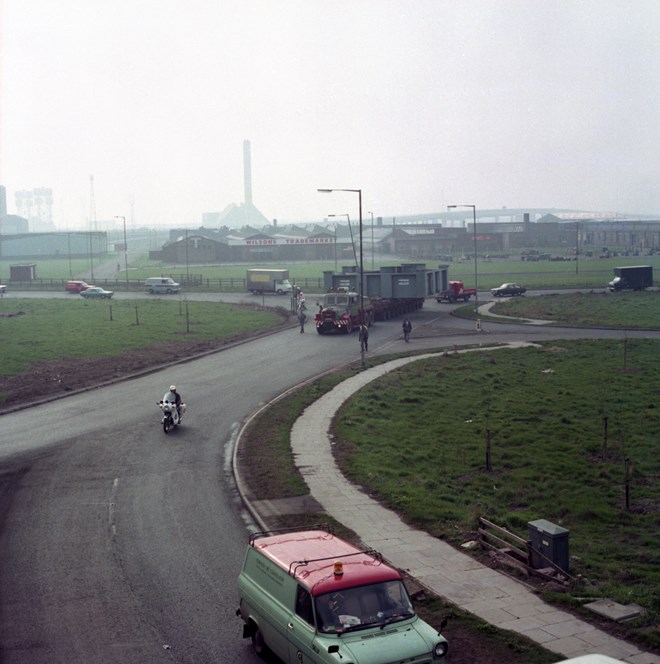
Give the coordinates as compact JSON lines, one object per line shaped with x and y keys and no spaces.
{"x":476,"y":276}
{"x":125,"y":249}
{"x":348,"y":218}
{"x":187,"y":262}
{"x":362,"y":321}
{"x":68,"y":241}
{"x":372,"y":240}
{"x":91,"y":254}
{"x":335,"y":246}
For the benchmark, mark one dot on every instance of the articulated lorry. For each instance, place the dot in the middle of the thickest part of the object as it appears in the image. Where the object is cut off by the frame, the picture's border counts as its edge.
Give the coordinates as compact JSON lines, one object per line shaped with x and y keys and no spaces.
{"x":268,"y":281}
{"x":388,"y":292}
{"x":632,"y":277}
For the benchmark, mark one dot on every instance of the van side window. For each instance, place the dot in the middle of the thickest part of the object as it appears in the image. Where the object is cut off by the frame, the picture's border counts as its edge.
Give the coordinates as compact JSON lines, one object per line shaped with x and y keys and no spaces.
{"x":304,"y":605}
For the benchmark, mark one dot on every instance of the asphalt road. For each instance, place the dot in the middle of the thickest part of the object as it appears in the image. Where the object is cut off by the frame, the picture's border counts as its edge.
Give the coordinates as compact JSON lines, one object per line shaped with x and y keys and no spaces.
{"x":121,"y":544}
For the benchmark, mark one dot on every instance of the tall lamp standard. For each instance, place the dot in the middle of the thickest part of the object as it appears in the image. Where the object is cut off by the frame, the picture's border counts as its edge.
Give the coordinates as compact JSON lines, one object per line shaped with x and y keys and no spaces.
{"x":349,"y":228}
{"x":476,"y":277}
{"x":335,"y":246}
{"x":372,"y":240}
{"x":187,"y":262}
{"x":125,"y":249}
{"x":361,"y":290}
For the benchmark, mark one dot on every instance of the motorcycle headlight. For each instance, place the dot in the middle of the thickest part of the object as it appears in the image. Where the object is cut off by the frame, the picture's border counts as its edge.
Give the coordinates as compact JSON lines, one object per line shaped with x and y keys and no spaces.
{"x":440,"y":649}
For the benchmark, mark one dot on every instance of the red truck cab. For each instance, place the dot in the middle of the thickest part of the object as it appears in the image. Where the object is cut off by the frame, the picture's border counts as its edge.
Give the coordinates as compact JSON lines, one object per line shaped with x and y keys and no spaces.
{"x":455,"y":292}
{"x":76,"y":286}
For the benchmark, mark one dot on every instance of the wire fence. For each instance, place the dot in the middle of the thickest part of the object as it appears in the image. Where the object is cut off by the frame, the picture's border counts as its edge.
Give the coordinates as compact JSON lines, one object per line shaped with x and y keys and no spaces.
{"x":190,"y":282}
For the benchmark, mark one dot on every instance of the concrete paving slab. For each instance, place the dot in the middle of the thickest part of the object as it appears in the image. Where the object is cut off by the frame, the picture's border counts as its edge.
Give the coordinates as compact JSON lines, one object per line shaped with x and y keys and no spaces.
{"x":614,"y":610}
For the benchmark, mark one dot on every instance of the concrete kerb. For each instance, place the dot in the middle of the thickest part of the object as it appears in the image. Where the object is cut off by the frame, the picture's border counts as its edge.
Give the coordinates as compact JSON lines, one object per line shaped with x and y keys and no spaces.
{"x":485,"y":310}
{"x":451,"y":574}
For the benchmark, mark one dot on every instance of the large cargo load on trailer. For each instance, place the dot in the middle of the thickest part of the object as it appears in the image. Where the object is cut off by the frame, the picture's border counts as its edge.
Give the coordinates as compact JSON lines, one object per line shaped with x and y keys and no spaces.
{"x":632,"y":277}
{"x":268,"y":281}
{"x":388,"y":292}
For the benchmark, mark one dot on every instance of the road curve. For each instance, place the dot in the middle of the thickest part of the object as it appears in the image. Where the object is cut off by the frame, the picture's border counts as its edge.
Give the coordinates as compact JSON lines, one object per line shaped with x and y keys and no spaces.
{"x":121,"y":544}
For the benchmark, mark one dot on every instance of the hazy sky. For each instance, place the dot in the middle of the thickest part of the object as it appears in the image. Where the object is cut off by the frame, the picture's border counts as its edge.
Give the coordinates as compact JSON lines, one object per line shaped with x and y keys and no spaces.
{"x":419,"y":103}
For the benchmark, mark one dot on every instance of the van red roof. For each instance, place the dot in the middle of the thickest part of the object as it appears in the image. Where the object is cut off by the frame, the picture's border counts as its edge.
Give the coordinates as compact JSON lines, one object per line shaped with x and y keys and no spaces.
{"x":309,"y":556}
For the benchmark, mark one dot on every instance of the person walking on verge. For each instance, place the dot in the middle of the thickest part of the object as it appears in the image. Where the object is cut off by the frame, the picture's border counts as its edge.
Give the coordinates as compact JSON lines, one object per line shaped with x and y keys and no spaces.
{"x":407,"y":329}
{"x":364,"y":337}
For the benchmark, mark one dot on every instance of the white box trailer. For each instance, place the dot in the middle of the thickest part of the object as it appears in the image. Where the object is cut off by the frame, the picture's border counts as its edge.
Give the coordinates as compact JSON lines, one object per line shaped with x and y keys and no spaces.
{"x":260,"y":280}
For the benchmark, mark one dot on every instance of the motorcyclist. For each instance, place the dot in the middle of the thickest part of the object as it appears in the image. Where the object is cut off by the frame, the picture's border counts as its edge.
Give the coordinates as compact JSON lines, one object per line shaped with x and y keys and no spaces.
{"x":174,"y":396}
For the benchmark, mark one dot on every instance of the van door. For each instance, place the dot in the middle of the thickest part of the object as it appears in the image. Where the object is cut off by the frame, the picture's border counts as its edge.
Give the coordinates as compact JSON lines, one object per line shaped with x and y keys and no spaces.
{"x":301,"y":630}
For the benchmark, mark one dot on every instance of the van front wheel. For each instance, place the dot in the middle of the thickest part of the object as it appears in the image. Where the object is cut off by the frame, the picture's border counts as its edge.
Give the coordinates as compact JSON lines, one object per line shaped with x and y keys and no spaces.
{"x":258,"y":642}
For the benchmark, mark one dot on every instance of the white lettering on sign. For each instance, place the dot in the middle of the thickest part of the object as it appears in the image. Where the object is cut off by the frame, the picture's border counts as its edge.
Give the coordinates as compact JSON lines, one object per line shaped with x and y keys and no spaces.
{"x":254,"y":242}
{"x":310,"y":240}
{"x":287,"y":240}
{"x":404,"y":282}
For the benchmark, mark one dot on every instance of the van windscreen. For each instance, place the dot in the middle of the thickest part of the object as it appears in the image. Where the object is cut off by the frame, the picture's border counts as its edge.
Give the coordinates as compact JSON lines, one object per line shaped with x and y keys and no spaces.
{"x":362,"y":607}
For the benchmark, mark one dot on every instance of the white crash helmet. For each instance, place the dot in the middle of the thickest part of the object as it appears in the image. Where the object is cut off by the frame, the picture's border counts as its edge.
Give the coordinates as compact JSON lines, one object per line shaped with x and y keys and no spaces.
{"x":172,"y":388}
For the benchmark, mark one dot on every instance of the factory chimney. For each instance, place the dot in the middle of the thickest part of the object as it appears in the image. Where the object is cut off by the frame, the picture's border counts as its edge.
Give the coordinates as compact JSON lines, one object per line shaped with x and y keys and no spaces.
{"x":247,"y":173}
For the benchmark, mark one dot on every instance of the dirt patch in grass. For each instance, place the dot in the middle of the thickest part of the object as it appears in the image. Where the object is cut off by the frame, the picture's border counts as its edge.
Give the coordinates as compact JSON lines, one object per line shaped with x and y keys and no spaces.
{"x":51,"y":379}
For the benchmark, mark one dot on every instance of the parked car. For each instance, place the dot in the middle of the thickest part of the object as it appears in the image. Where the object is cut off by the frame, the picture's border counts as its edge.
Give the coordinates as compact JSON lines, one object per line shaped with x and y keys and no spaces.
{"x":508,"y":289}
{"x":76,"y":286}
{"x":3,"y":289}
{"x":96,"y":293}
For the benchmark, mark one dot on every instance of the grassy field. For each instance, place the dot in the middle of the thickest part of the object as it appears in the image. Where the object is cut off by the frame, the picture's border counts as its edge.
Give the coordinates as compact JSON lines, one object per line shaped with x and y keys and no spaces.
{"x":417,"y":440}
{"x":620,"y":310}
{"x":57,"y":329}
{"x":584,"y":273}
{"x":588,"y":273}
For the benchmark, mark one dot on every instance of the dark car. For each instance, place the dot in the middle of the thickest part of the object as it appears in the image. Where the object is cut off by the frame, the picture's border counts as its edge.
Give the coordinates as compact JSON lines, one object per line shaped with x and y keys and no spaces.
{"x":508,"y":289}
{"x":96,"y":293}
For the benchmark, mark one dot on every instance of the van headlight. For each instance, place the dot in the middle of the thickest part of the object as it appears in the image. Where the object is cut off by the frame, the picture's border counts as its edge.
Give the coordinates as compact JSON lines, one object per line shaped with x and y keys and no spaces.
{"x":440,"y":649}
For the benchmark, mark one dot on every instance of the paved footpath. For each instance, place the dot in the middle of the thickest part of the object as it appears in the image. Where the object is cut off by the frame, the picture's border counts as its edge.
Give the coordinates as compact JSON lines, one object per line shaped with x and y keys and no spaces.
{"x":455,"y":576}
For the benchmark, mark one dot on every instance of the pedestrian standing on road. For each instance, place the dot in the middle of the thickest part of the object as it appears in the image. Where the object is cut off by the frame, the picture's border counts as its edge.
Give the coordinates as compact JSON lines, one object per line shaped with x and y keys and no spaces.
{"x":364,"y":337}
{"x":407,"y":329}
{"x":302,"y":319}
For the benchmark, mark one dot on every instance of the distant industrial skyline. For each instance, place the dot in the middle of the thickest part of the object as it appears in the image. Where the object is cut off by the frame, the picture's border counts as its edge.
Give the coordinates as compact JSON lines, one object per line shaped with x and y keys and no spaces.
{"x":419,"y":104}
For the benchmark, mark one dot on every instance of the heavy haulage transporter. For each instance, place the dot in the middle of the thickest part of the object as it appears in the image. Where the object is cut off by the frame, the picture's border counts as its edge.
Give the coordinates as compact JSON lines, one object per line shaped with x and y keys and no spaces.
{"x":388,"y":292}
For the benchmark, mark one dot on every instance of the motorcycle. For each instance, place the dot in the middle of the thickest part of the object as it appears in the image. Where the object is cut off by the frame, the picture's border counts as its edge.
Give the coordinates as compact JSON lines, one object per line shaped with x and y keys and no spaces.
{"x":171,"y":414}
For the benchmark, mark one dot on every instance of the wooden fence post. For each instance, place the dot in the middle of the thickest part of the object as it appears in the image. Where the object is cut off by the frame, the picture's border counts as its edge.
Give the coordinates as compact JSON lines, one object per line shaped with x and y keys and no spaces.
{"x":488,"y":464}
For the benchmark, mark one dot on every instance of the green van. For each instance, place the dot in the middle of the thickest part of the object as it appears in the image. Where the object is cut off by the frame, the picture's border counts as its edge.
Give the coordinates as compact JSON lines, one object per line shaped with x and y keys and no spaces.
{"x":312,"y":598}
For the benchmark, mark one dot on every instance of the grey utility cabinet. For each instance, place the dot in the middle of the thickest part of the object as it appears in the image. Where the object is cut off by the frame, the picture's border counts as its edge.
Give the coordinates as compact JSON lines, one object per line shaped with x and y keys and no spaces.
{"x":549,"y":543}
